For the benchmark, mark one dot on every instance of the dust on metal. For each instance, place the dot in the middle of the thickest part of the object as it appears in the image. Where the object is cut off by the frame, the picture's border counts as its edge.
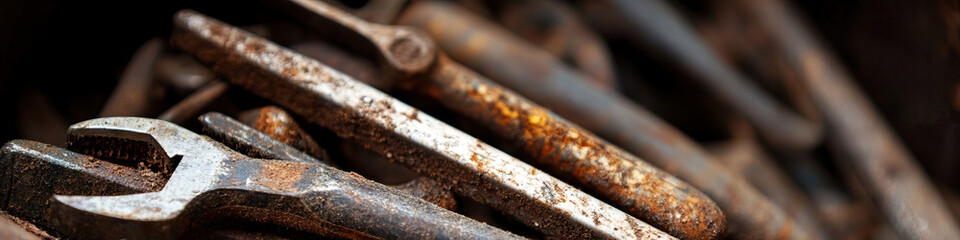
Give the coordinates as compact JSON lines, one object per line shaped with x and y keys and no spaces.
{"x":211,"y":176}
{"x":912,"y":206}
{"x":357,"y":111}
{"x":749,"y":214}
{"x":255,"y":143}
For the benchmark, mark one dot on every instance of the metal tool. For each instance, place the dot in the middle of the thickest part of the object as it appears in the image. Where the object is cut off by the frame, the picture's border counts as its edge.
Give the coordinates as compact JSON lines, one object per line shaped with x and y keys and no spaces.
{"x":749,"y":214}
{"x":34,"y":171}
{"x":252,"y":142}
{"x":210,"y":176}
{"x":558,"y":146}
{"x":555,"y":27}
{"x":888,"y":172}
{"x":357,"y":111}
{"x":277,"y":124}
{"x":658,"y":28}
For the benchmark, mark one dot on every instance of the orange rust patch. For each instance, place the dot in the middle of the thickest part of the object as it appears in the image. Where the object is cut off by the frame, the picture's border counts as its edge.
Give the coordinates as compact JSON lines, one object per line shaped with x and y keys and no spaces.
{"x":281,"y":175}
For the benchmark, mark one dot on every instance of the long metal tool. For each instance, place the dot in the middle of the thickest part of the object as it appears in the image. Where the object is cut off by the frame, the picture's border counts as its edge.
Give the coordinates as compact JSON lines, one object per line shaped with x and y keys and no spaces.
{"x":888,"y":172}
{"x":558,"y":146}
{"x":659,"y":28}
{"x":210,"y":176}
{"x":400,"y":132}
{"x":749,"y":214}
{"x":253,"y":143}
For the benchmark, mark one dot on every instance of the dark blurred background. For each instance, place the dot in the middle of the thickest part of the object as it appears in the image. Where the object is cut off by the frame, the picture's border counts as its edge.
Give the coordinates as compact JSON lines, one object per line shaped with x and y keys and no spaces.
{"x":68,"y":55}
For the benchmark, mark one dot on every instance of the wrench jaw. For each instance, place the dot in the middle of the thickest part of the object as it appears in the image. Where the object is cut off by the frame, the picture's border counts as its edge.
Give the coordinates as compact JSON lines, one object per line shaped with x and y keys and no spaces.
{"x":32,"y":172}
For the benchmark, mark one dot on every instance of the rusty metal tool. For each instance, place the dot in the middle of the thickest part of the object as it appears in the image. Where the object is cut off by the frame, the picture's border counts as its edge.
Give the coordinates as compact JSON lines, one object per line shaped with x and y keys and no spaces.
{"x":280,"y":125}
{"x":898,"y":186}
{"x":744,"y":154}
{"x":32,"y":172}
{"x":356,"y":111}
{"x":277,"y":124}
{"x":11,"y":230}
{"x":749,"y":214}
{"x":254,"y":143}
{"x":658,"y":28}
{"x":133,"y":96}
{"x":555,"y":27}
{"x":558,"y":146}
{"x":210,"y":176}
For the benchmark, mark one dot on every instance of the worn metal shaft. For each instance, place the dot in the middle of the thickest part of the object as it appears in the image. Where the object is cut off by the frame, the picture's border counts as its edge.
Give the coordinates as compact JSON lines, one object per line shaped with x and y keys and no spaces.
{"x":354,"y":110}
{"x":490,"y":51}
{"x":566,"y":150}
{"x":888,"y":172}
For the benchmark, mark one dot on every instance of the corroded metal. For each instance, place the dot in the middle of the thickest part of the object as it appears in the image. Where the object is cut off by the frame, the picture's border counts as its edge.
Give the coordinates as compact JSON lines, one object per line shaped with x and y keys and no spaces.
{"x":555,"y":27}
{"x":749,"y":214}
{"x":566,"y":150}
{"x":657,"y":27}
{"x":743,"y":154}
{"x":253,"y":142}
{"x":210,"y":176}
{"x":279,"y":125}
{"x":888,"y":172}
{"x":34,"y":171}
{"x":398,"y":131}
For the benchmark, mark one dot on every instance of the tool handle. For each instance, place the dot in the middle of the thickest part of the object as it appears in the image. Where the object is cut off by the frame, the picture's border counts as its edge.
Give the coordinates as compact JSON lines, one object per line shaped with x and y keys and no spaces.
{"x":352,"y":201}
{"x":404,"y":51}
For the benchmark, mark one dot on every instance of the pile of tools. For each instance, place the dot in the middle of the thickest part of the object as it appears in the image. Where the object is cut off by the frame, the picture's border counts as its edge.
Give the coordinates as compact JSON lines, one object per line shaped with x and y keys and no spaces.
{"x":474,"y":119}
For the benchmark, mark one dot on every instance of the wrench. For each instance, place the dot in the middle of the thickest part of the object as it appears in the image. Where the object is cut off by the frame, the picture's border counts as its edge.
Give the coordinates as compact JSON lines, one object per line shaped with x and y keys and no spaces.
{"x":210,"y":176}
{"x":398,"y":131}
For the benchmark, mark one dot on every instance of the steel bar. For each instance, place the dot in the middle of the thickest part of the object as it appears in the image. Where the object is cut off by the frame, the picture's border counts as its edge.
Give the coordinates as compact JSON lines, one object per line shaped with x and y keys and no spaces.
{"x":210,"y":176}
{"x":279,"y":125}
{"x":561,"y":148}
{"x":659,"y":28}
{"x":357,"y":111}
{"x":749,"y":214}
{"x":888,"y":172}
{"x":743,"y":154}
{"x":253,"y":143}
{"x":555,"y":26}
{"x":33,"y":172}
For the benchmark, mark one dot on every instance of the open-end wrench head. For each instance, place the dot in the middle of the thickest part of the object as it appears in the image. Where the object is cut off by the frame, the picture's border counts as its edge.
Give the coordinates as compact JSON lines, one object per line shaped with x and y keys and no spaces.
{"x":201,"y":162}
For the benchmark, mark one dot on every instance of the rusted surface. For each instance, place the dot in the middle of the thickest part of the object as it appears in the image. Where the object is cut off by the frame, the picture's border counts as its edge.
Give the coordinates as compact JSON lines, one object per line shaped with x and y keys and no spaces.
{"x":411,"y":54}
{"x":658,"y":28}
{"x":250,"y":142}
{"x":11,"y":230}
{"x":431,"y":191}
{"x":357,"y":111}
{"x":355,"y":66}
{"x":555,"y":26}
{"x":210,"y":176}
{"x":279,"y":125}
{"x":888,"y":172}
{"x":576,"y":154}
{"x":189,"y":108}
{"x":749,"y":214}
{"x":745,"y":156}
{"x":565,"y":150}
{"x":133,"y":96}
{"x":33,"y":172}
